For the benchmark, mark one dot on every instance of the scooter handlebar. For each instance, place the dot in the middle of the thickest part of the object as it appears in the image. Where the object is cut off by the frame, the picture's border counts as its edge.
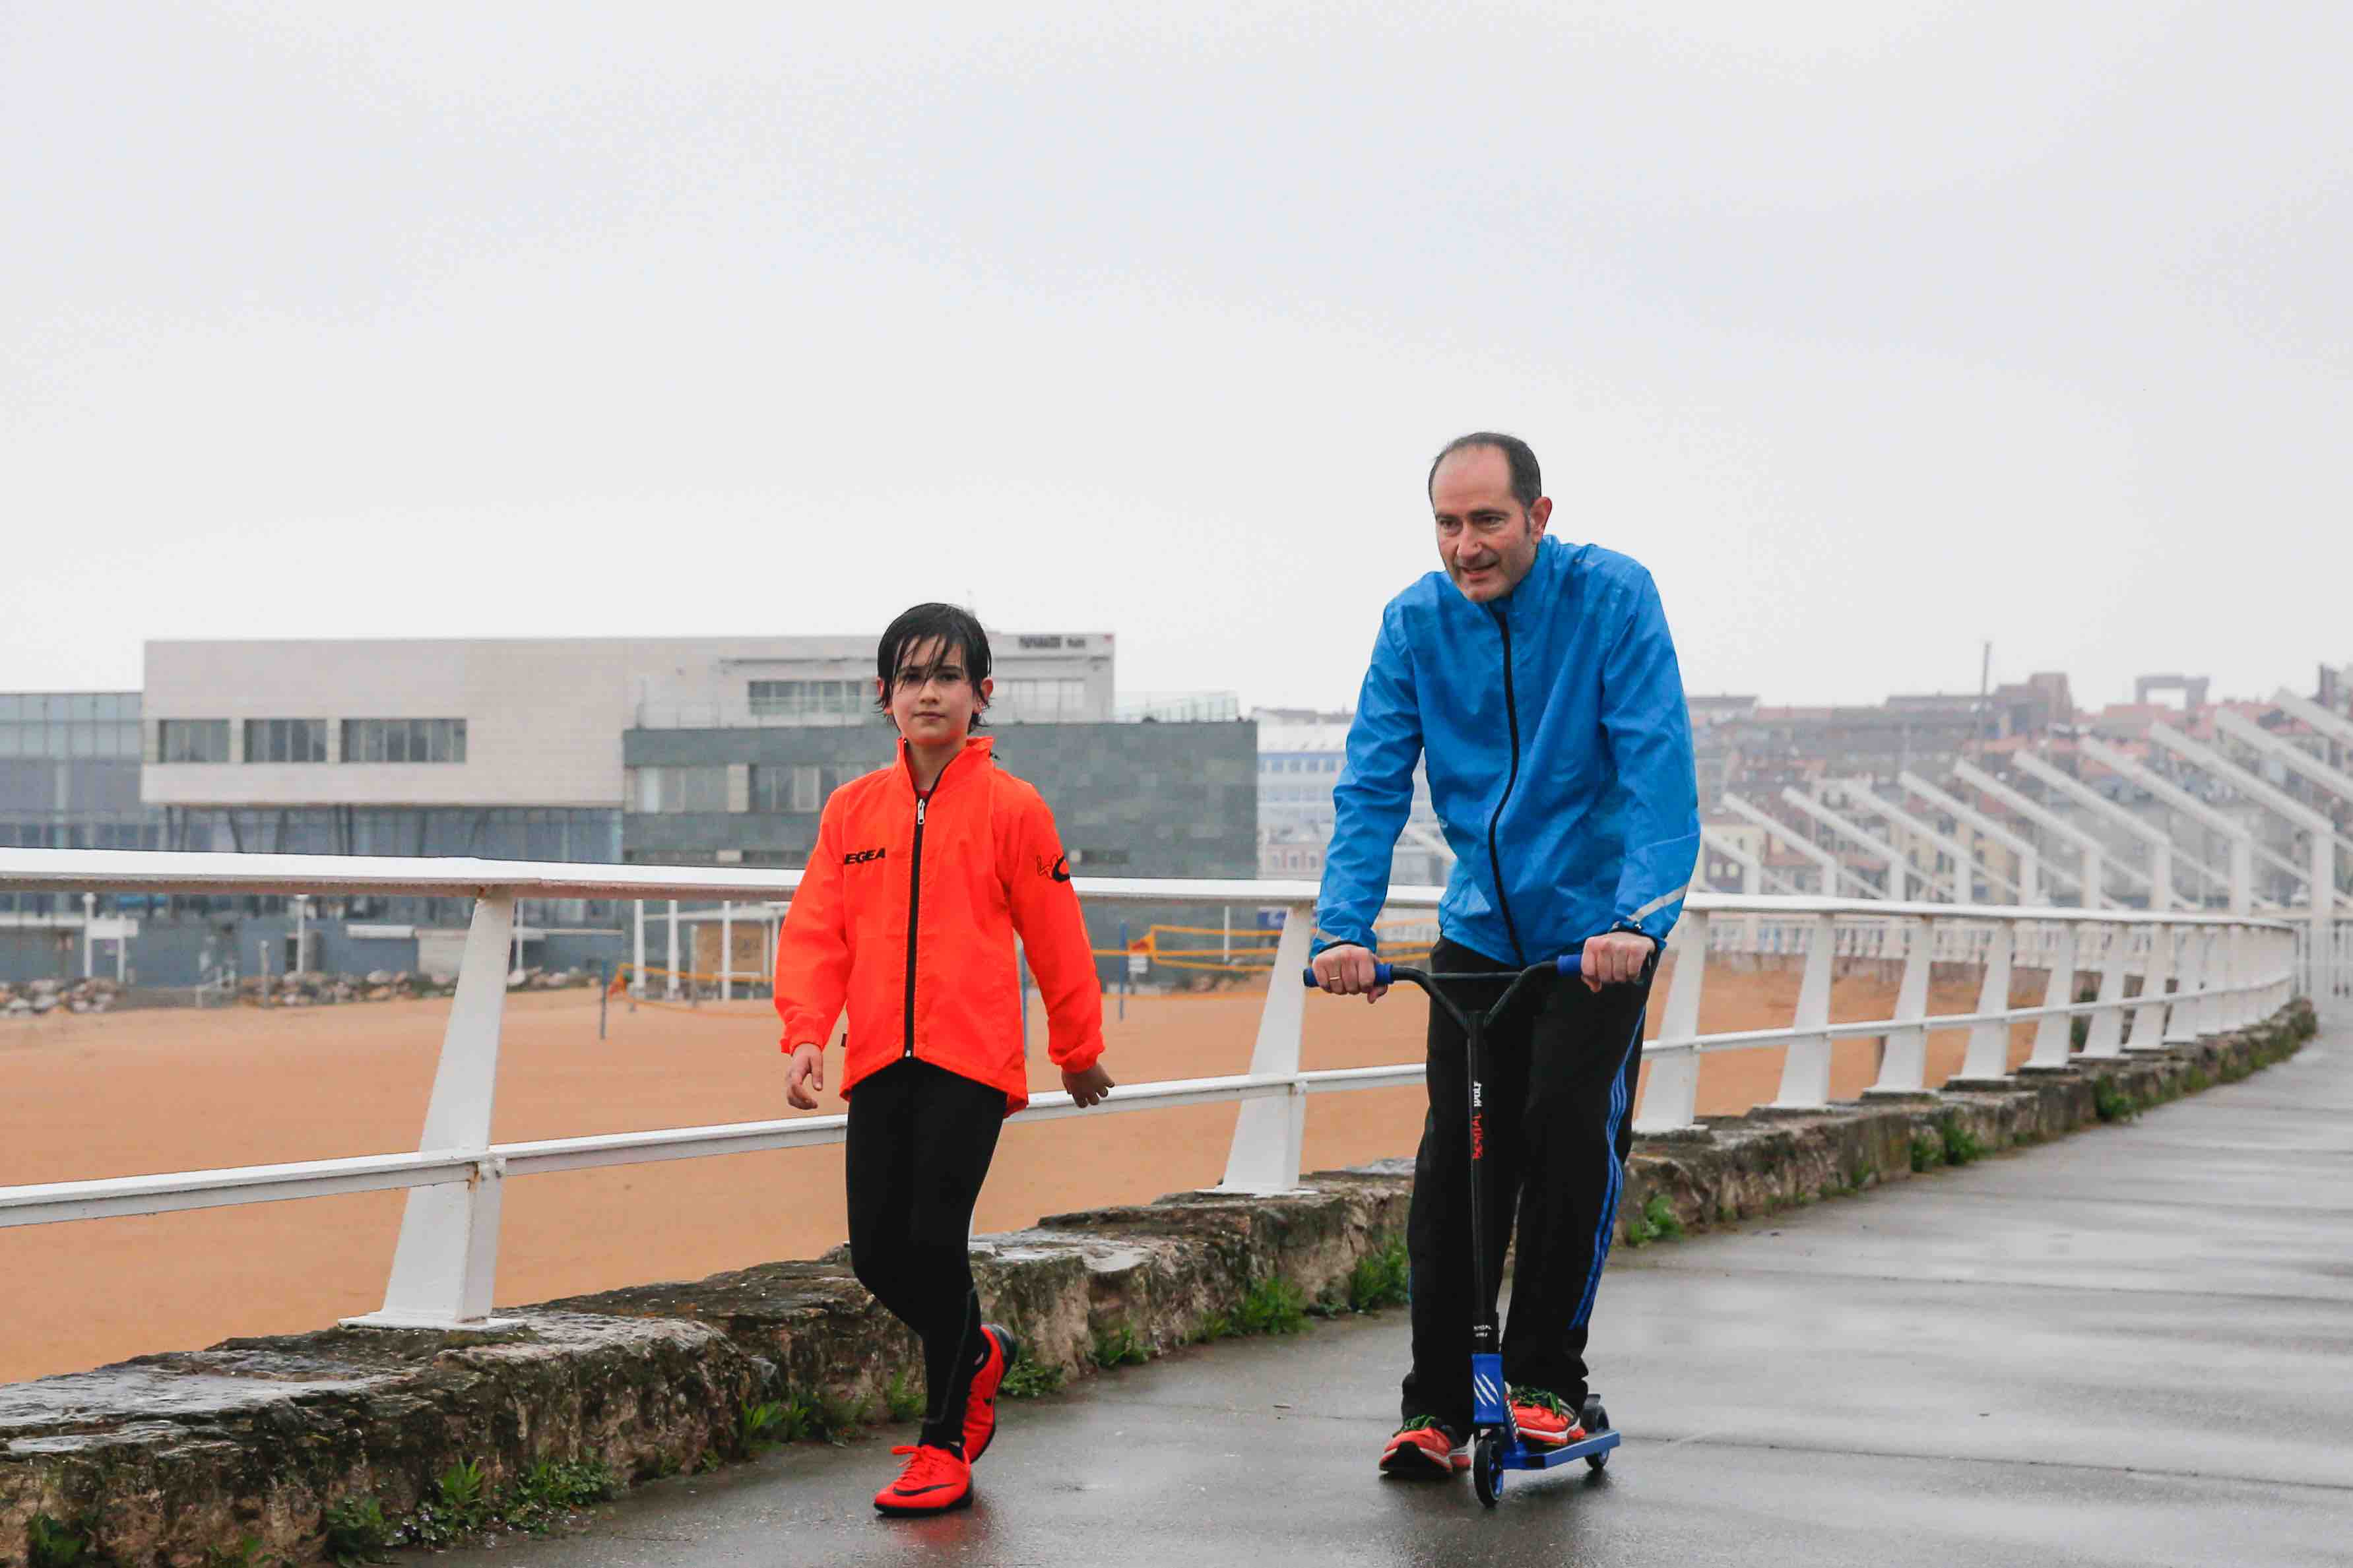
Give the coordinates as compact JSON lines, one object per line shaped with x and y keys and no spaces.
{"x":1567,"y":965}
{"x":1381,"y":975}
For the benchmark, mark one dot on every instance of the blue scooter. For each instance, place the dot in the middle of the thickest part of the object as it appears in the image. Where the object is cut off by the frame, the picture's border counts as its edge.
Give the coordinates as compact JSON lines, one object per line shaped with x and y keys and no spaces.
{"x":1497,"y":1445}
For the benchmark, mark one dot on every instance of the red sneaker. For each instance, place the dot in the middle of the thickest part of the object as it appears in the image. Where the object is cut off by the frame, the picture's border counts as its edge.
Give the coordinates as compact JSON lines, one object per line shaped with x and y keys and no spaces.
{"x":980,"y":1406}
{"x":1423,"y":1450}
{"x":1543,"y":1420}
{"x":934,"y":1482}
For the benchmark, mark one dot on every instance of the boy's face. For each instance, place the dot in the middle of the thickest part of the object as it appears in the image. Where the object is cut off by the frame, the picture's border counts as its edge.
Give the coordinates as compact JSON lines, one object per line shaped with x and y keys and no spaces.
{"x":934,"y":699}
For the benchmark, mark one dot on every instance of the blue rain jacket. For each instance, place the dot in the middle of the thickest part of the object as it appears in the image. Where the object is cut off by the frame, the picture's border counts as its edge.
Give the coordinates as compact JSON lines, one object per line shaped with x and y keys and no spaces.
{"x":1559,"y":759}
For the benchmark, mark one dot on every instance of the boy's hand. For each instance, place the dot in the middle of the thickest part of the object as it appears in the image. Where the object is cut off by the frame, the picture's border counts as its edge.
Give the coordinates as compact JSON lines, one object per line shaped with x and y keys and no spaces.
{"x":1346,"y":970}
{"x":1088,"y":1087}
{"x":807,"y":1073}
{"x":1616,"y":958}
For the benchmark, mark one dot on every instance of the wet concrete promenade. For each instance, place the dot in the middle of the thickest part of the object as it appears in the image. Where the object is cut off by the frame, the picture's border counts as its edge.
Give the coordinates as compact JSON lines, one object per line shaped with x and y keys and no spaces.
{"x":2134,"y":1346}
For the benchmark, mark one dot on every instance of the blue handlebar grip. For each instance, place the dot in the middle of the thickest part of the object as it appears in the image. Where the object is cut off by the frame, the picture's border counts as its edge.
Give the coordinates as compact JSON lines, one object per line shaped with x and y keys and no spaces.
{"x":1380,"y":976}
{"x":1570,"y":964}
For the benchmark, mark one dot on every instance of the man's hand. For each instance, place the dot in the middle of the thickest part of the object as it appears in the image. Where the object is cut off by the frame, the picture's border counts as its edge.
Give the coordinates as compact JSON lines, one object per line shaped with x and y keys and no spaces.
{"x":1090,"y":1087}
{"x":1616,"y":957}
{"x":1346,"y":970}
{"x":806,"y":1074}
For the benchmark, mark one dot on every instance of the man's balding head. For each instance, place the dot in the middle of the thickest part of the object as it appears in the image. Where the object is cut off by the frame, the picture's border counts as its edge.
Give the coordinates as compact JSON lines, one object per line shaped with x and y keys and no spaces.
{"x":1486,"y":498}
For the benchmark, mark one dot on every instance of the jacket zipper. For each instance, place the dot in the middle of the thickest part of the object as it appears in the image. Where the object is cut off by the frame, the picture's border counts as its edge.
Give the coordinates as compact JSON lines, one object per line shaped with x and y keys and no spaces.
{"x":915,"y":907}
{"x":1494,"y":860}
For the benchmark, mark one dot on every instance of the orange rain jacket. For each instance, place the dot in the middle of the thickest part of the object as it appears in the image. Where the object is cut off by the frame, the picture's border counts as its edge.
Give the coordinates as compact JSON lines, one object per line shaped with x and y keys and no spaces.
{"x":907,"y":912}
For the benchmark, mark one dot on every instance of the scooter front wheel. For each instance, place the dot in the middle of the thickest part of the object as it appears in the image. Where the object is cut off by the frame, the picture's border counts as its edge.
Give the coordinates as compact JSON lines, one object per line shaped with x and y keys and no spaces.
{"x":1487,"y":1467}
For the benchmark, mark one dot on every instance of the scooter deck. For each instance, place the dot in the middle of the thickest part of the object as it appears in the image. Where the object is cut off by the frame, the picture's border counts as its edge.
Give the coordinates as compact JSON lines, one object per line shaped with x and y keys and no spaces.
{"x":1521,"y":1457}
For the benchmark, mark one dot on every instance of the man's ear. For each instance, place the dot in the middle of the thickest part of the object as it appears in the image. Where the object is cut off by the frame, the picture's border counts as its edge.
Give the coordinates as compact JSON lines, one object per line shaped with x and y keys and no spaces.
{"x":987,"y":690}
{"x":1538,"y":515}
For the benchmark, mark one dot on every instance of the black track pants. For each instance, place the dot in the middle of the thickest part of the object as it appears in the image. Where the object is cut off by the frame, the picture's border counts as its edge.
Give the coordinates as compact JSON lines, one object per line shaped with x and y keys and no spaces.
{"x":1559,"y":1078}
{"x":919,"y":1142}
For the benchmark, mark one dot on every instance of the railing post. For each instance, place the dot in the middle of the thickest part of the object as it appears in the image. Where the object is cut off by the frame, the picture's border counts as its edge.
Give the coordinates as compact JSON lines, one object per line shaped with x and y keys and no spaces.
{"x":2188,"y":1005}
{"x":2322,"y":910}
{"x":2223,"y":979}
{"x":447,"y":1265}
{"x":2254,"y":974}
{"x":2260,"y":1003}
{"x":2157,"y":970}
{"x":1806,"y":1065}
{"x":1903,"y":1064}
{"x":2245,"y":1007}
{"x":1987,"y":1058}
{"x":637,"y":953}
{"x":1269,"y":1132}
{"x":2105,"y":1038}
{"x":1671,"y":1094}
{"x":2054,"y":1032}
{"x":726,"y":950}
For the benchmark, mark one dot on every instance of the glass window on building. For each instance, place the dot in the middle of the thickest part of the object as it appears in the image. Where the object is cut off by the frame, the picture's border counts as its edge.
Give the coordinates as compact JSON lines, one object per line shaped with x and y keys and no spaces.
{"x":808,"y":788}
{"x":285,"y":740}
{"x":404,"y":739}
{"x":654,"y":790}
{"x":1039,"y":699}
{"x":671,"y":790}
{"x":702,"y":789}
{"x":807,"y":699}
{"x":73,"y":724}
{"x":193,"y":741}
{"x":771,"y":788}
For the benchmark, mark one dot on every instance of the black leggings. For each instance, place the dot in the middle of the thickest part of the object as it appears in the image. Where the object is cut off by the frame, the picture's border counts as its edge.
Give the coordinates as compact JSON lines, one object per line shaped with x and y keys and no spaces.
{"x":1559,"y":1077}
{"x":920,"y":1139}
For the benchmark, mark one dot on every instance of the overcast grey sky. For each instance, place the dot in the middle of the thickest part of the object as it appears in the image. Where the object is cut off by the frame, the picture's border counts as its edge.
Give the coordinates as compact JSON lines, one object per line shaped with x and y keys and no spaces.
{"x":1875,"y":330}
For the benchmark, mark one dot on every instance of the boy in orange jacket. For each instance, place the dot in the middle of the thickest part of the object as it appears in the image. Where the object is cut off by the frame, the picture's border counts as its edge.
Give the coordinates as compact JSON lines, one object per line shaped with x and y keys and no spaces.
{"x":922,"y":874}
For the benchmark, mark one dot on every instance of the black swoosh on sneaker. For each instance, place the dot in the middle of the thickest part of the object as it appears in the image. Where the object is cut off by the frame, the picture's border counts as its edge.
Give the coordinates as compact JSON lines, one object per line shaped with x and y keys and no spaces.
{"x":918,"y":1491}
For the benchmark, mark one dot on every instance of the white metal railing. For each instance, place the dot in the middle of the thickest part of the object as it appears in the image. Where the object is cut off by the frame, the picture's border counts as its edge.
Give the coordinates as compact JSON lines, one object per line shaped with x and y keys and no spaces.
{"x":2199,"y":974}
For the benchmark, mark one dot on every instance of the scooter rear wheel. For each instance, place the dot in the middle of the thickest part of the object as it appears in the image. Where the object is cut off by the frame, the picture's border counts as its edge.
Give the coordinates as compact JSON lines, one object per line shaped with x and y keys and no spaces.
{"x":1595,"y":1420}
{"x":1487,"y":1467}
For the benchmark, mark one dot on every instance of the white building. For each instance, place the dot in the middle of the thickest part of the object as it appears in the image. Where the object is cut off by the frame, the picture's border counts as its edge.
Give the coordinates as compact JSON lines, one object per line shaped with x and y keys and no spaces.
{"x":1299,"y":755}
{"x":443,"y":732}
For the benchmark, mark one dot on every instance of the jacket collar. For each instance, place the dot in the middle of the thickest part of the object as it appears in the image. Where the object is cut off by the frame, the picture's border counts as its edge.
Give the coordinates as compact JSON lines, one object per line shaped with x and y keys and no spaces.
{"x":1534,"y":593}
{"x":975,"y":746}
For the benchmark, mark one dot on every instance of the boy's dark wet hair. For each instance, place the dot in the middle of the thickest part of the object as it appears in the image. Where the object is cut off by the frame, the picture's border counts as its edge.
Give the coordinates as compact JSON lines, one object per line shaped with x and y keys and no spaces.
{"x":955,"y":628}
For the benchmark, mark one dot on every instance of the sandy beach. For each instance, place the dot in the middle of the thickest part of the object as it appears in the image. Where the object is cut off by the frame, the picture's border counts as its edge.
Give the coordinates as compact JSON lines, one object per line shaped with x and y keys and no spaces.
{"x":132,"y":1092}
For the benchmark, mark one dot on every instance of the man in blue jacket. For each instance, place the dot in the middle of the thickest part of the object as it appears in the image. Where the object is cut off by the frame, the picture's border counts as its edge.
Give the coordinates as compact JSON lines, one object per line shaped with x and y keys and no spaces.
{"x":1538,"y":681}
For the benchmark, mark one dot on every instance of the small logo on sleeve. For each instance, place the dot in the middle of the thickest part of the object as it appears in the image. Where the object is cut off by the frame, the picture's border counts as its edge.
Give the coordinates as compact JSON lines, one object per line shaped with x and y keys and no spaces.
{"x":860,"y":856}
{"x":1059,"y":868}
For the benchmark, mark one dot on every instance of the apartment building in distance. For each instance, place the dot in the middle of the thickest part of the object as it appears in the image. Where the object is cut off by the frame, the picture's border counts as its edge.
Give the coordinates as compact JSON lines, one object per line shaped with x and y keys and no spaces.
{"x":687,"y":751}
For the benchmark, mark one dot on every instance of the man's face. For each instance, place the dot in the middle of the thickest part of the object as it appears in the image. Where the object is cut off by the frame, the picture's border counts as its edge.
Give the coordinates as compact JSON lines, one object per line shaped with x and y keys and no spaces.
{"x":934,"y":700}
{"x":1487,"y":540}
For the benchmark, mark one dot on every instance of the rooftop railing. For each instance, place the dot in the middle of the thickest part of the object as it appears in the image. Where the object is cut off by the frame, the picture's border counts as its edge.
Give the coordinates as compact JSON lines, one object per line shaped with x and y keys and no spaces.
{"x":2195,"y":974}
